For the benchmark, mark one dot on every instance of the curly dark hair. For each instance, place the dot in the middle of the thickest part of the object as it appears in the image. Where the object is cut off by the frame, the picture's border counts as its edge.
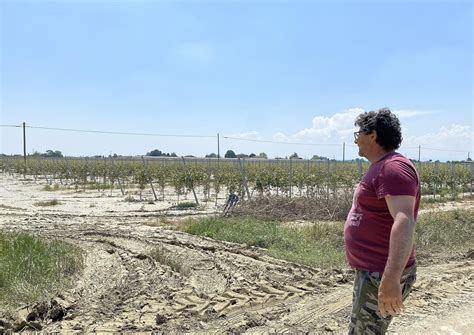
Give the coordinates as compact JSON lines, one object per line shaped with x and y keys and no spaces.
{"x":385,"y":123}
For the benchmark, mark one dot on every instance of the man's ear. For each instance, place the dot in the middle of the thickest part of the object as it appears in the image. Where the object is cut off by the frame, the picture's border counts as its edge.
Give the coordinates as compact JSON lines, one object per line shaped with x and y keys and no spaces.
{"x":373,"y":135}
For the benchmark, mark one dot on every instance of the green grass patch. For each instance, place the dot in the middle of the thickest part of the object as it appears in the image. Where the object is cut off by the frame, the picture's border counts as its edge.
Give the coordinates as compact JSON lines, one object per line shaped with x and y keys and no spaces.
{"x":322,"y":244}
{"x":165,"y":256}
{"x":441,"y":230}
{"x":32,"y":269}
{"x":130,"y":198}
{"x":319,"y":245}
{"x":47,"y":203}
{"x":428,"y":202}
{"x":49,"y":188}
{"x":186,"y":205}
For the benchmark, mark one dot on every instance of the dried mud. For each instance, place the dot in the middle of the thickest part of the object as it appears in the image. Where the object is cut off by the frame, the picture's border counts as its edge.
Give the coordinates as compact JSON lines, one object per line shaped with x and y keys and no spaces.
{"x":141,"y":276}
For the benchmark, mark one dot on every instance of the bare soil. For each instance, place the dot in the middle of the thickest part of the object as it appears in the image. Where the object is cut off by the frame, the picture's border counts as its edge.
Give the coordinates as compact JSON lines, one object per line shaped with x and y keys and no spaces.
{"x":142,"y":275}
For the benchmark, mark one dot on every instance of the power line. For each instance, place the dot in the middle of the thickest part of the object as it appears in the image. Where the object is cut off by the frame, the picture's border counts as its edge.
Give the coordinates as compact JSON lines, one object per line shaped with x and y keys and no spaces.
{"x":325,"y":144}
{"x":118,"y":132}
{"x":207,"y":136}
{"x":279,"y":142}
{"x":425,"y":148}
{"x":10,"y":125}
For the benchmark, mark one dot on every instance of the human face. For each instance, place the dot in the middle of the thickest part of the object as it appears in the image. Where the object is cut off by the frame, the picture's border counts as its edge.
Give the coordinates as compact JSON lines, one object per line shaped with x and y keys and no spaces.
{"x":357,"y":133}
{"x":362,"y":139}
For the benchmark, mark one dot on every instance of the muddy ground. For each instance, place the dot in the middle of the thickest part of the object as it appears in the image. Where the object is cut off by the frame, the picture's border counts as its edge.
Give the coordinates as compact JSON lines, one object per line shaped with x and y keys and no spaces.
{"x":142,"y":275}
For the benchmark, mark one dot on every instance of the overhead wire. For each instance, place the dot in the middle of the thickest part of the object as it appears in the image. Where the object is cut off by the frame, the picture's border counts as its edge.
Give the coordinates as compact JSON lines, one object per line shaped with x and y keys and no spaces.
{"x":118,"y":132}
{"x":205,"y":136}
{"x":279,"y":142}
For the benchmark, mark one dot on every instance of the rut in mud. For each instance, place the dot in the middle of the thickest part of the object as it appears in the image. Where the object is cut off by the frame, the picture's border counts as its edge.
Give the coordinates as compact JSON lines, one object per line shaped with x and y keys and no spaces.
{"x":142,"y":277}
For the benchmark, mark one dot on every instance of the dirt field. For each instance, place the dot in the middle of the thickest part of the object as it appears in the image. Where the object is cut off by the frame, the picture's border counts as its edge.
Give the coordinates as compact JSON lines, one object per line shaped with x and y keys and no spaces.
{"x":194,"y":284}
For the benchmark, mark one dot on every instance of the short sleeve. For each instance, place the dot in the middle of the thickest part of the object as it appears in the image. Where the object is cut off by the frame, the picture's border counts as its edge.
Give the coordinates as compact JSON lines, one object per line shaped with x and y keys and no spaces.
{"x":396,"y":178}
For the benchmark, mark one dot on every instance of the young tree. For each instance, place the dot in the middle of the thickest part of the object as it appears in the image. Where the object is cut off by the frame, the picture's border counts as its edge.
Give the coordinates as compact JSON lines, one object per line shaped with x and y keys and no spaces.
{"x":155,"y":152}
{"x":294,"y":156}
{"x":316,"y":157}
{"x":230,"y":154}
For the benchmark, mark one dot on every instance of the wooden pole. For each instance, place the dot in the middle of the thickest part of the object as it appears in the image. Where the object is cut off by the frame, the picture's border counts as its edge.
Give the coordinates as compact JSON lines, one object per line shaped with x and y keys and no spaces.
{"x":24,"y":141}
{"x":216,"y":176}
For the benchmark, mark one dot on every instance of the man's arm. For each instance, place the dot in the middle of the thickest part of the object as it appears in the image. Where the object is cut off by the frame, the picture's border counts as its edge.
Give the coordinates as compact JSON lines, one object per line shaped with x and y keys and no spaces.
{"x":401,"y":244}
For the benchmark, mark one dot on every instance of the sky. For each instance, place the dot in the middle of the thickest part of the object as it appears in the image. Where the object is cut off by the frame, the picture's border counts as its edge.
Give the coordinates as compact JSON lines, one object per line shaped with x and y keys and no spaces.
{"x":268,"y":76}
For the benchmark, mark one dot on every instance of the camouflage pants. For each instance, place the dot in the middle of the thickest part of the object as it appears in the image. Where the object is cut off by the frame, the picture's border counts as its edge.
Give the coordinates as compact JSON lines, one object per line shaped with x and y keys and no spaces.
{"x":365,"y":317}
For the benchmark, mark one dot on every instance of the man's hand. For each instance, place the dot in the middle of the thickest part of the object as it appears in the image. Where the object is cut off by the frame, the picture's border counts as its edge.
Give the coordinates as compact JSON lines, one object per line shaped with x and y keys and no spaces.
{"x":390,"y":296}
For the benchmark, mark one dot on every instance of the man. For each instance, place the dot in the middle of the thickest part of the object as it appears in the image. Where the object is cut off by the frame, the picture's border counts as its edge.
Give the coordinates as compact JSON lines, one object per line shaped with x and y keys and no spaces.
{"x":379,"y":230}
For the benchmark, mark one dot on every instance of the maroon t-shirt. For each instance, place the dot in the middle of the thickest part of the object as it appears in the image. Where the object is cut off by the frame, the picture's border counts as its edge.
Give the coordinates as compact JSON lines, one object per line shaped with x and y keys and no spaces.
{"x":369,"y":223}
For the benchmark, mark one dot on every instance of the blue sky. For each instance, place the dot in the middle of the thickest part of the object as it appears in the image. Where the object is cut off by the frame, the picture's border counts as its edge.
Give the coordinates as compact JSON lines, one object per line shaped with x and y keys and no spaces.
{"x":283,"y":71}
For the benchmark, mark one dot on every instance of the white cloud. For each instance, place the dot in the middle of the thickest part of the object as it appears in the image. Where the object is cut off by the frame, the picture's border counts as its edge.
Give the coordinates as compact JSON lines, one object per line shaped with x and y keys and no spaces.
{"x":281,"y":137}
{"x":337,"y":128}
{"x":454,"y":137}
{"x":333,"y":129}
{"x":407,"y":113}
{"x":456,"y":130}
{"x":326,"y":131}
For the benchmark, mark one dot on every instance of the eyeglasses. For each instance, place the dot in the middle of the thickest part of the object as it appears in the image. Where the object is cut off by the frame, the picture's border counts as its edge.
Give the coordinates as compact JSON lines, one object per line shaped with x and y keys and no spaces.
{"x":357,"y":133}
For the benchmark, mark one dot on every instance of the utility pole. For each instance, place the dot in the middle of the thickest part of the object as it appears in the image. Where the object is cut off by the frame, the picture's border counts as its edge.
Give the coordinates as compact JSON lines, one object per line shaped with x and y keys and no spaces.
{"x":343,"y":152}
{"x":218,"y":150}
{"x":24,"y":141}
{"x":216,"y":175}
{"x":419,"y":153}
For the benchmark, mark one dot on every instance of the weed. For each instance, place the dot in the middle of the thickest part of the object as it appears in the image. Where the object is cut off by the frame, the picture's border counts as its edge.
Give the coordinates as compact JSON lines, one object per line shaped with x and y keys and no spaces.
{"x":319,"y":245}
{"x":185,"y":205}
{"x":31,"y":269}
{"x":130,"y":198}
{"x":324,"y":206}
{"x":322,"y":244}
{"x":445,"y":229}
{"x":164,"y":256}
{"x":48,"y":188}
{"x":46,"y":203}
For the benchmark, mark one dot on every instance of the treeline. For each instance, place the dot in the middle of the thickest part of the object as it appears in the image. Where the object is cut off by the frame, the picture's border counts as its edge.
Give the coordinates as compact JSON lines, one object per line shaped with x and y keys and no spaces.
{"x":228,"y":154}
{"x":232,"y":154}
{"x":158,"y":153}
{"x":263,"y":155}
{"x":48,"y":153}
